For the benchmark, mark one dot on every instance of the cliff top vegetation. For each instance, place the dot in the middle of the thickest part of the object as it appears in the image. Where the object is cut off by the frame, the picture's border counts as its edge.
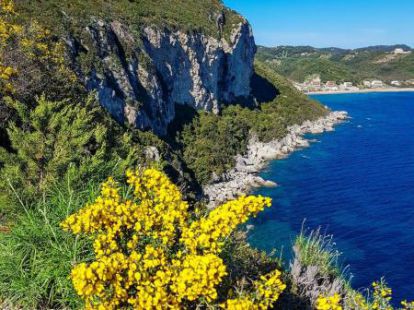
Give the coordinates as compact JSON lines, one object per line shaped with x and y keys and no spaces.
{"x":185,"y":15}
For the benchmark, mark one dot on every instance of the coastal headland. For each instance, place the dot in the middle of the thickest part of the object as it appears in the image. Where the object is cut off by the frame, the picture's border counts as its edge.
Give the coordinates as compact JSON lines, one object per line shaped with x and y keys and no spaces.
{"x":244,"y":176}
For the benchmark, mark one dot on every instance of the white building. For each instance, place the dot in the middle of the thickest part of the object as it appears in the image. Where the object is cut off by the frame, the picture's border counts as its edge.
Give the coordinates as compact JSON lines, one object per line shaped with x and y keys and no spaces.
{"x":348,"y":84}
{"x":367,"y":84}
{"x":377,"y":84}
{"x":400,"y":51}
{"x":396,"y":83}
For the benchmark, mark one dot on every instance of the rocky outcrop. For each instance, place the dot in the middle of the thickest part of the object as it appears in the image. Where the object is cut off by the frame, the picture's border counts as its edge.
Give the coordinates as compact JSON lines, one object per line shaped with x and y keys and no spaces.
{"x":310,"y":282}
{"x":139,"y":78}
{"x":243,"y":177}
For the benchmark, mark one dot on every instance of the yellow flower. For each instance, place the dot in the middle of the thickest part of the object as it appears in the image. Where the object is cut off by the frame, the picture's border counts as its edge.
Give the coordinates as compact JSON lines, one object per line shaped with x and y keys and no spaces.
{"x":240,"y":304}
{"x":149,"y":255}
{"x":329,"y":303}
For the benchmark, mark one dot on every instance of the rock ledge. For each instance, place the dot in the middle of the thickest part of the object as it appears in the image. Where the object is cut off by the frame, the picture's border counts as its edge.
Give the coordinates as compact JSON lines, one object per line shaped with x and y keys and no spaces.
{"x":244,"y":176}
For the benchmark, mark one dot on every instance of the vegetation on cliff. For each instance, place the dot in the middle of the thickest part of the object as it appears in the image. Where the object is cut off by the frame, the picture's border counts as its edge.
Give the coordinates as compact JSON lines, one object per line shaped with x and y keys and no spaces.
{"x":193,"y":16}
{"x":210,"y":141}
{"x":137,"y":241}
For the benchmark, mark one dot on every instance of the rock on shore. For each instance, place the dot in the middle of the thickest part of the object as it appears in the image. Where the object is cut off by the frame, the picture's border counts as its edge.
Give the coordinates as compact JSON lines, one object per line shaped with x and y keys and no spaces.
{"x":244,"y":176}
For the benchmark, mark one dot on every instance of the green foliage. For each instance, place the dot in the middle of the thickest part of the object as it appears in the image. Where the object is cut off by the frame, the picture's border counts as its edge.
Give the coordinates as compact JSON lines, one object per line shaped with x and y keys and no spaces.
{"x":57,"y":138}
{"x":36,"y":255}
{"x":339,"y":65}
{"x":318,"y":250}
{"x":288,"y":108}
{"x":244,"y":261}
{"x":186,"y":15}
{"x":210,"y":141}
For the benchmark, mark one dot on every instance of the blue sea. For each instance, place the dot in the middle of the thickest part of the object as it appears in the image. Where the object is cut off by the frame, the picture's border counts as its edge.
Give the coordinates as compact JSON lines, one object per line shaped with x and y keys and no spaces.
{"x":357,"y":183}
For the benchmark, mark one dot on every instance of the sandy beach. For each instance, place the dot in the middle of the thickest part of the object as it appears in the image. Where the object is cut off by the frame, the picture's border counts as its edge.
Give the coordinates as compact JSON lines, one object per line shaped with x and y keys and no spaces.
{"x":370,"y":90}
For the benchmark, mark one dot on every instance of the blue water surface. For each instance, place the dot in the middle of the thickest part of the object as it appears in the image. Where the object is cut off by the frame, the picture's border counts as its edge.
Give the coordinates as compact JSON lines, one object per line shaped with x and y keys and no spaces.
{"x":358,"y":184}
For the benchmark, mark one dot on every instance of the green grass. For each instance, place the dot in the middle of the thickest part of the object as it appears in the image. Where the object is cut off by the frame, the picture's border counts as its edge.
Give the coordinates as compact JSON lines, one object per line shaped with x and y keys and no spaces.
{"x":37,"y":255}
{"x":317,"y":249}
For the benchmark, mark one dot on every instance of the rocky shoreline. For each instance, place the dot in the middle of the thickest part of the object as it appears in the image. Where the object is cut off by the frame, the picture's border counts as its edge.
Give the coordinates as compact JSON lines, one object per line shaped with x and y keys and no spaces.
{"x":244,"y":176}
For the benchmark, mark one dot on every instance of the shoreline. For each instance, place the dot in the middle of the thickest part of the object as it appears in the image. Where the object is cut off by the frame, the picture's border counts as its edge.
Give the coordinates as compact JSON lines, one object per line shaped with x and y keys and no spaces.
{"x":245,"y":175}
{"x":362,"y":91}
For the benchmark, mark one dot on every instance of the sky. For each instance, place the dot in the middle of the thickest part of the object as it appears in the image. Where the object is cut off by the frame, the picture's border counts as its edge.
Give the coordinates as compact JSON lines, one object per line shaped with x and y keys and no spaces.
{"x":327,"y":23}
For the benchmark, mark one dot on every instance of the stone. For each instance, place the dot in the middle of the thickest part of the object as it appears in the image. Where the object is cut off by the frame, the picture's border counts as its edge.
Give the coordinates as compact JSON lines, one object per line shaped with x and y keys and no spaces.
{"x":242,"y":178}
{"x":152,"y":153}
{"x":164,"y":68}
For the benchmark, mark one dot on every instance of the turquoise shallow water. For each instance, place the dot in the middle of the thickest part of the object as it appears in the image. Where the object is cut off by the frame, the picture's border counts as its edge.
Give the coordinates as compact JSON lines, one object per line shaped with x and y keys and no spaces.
{"x":358,"y":184}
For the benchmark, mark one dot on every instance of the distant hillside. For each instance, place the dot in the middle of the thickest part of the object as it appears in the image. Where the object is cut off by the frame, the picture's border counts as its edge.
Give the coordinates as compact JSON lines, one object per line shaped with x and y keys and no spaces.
{"x":374,"y":62}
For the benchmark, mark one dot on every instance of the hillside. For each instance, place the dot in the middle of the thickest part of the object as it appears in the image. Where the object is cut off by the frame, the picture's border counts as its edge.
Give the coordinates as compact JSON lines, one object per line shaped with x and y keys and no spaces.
{"x":143,"y":57}
{"x":114,"y":115}
{"x":197,"y":16}
{"x":154,"y":68}
{"x":335,"y":64}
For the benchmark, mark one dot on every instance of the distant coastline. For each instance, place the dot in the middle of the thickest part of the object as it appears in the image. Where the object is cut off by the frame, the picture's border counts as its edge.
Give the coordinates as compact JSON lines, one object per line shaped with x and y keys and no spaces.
{"x":244,"y":176}
{"x":367,"y":90}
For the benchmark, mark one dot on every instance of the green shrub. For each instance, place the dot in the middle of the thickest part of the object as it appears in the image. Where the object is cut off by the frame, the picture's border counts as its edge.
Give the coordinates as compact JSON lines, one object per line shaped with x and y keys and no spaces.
{"x":57,"y":138}
{"x":211,"y":141}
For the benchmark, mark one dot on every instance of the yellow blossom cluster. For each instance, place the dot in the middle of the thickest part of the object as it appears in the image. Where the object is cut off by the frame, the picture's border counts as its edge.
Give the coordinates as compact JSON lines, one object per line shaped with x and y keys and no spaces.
{"x":203,"y":234}
{"x":407,"y":305}
{"x":269,"y":289}
{"x":37,"y":44}
{"x":7,"y":6}
{"x":382,"y":296}
{"x":34,"y":41}
{"x":198,"y":276}
{"x":355,"y":300}
{"x":329,"y":303}
{"x":243,"y":303}
{"x":7,"y":30}
{"x":150,"y":254}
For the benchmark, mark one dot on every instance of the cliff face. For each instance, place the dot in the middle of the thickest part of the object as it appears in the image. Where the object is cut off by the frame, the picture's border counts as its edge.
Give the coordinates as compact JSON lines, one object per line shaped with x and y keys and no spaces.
{"x":140,"y":77}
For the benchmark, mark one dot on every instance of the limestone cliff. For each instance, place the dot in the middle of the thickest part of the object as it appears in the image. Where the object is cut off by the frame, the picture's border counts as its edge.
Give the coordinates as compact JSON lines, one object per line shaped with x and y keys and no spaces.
{"x":141,"y":75}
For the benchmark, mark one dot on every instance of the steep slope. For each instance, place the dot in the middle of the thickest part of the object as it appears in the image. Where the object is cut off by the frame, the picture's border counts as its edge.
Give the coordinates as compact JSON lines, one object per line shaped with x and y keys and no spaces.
{"x":375,"y":62}
{"x":153,"y":69}
{"x":143,"y":58}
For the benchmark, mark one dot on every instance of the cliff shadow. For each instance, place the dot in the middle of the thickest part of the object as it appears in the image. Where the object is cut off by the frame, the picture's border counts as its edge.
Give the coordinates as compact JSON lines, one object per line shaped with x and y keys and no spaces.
{"x":184,"y":115}
{"x":262,"y":89}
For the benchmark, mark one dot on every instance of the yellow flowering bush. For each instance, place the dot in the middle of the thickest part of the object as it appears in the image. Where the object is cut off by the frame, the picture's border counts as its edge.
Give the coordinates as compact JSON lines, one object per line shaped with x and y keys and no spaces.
{"x":243,"y":303}
{"x":329,"y":303}
{"x":269,"y":289}
{"x":37,"y":44}
{"x":34,"y":42}
{"x":151,"y":254}
{"x":407,"y":305}
{"x":7,"y":31}
{"x":382,"y":296}
{"x":355,"y":300}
